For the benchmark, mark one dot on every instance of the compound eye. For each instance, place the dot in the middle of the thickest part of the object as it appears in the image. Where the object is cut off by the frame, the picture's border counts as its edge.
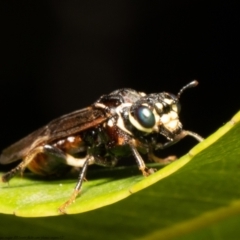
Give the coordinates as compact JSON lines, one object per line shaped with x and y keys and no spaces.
{"x":145,"y":117}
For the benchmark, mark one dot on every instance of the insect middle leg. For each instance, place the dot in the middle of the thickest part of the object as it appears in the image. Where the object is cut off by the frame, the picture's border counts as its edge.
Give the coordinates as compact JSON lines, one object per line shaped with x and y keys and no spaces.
{"x":141,"y":165}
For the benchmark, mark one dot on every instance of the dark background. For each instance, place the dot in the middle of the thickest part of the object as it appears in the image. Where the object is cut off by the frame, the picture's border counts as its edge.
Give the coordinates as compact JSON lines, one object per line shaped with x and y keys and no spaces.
{"x":59,"y":56}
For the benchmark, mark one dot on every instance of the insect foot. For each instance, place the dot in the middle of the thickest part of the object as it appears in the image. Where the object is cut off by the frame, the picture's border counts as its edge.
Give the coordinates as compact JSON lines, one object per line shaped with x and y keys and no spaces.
{"x":62,"y":208}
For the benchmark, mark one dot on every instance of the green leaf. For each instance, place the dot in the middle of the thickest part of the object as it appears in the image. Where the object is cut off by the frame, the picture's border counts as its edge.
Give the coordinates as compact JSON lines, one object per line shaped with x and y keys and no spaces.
{"x":197,"y":195}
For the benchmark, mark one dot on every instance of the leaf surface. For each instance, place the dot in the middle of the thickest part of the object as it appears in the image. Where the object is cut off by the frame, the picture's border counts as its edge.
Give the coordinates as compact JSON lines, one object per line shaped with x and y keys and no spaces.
{"x":196,"y":197}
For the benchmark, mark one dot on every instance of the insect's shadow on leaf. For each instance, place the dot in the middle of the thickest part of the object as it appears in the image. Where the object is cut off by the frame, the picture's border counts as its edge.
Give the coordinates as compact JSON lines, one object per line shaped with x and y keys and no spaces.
{"x":94,"y":173}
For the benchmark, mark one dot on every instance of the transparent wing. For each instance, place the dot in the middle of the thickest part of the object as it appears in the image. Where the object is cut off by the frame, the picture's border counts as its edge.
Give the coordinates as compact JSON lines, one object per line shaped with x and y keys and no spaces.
{"x":62,"y":127}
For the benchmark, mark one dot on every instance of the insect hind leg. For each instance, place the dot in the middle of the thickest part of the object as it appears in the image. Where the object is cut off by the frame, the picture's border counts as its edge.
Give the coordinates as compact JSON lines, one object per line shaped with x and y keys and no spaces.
{"x":21,"y":167}
{"x":78,"y":186}
{"x":44,"y":160}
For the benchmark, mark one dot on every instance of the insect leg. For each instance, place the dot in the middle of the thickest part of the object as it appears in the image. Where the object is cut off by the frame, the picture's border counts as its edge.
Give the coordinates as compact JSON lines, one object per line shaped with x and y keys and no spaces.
{"x":192,"y":134}
{"x":141,"y":165}
{"x":177,"y":138}
{"x":20,"y":168}
{"x":162,"y":161}
{"x":77,"y":162}
{"x":170,"y":159}
{"x":78,"y":186}
{"x":180,"y":136}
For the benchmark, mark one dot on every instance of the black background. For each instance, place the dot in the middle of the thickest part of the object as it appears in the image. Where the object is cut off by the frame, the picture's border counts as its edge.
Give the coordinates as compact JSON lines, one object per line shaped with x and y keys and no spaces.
{"x":59,"y":56}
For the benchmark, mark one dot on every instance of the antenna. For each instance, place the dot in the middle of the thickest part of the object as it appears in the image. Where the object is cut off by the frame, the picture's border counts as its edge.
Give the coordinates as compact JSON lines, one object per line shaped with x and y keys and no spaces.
{"x":194,"y":83}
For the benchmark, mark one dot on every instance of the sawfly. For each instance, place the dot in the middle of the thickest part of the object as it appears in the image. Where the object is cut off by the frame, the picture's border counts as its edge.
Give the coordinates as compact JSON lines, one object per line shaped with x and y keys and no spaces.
{"x":122,"y":123}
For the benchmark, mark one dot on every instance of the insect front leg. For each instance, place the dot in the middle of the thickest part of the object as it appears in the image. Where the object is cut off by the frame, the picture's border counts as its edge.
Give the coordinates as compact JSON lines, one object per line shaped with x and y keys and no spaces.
{"x":162,"y":161}
{"x":182,"y":135}
{"x":159,"y":146}
{"x":177,"y":138}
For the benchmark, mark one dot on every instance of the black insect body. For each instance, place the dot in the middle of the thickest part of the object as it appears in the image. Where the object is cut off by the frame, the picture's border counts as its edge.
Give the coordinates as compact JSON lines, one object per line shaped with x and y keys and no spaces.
{"x":121,"y":123}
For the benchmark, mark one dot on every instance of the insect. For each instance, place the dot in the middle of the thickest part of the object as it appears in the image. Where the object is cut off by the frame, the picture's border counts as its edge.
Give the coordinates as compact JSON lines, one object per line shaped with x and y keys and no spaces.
{"x":125,"y":122}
